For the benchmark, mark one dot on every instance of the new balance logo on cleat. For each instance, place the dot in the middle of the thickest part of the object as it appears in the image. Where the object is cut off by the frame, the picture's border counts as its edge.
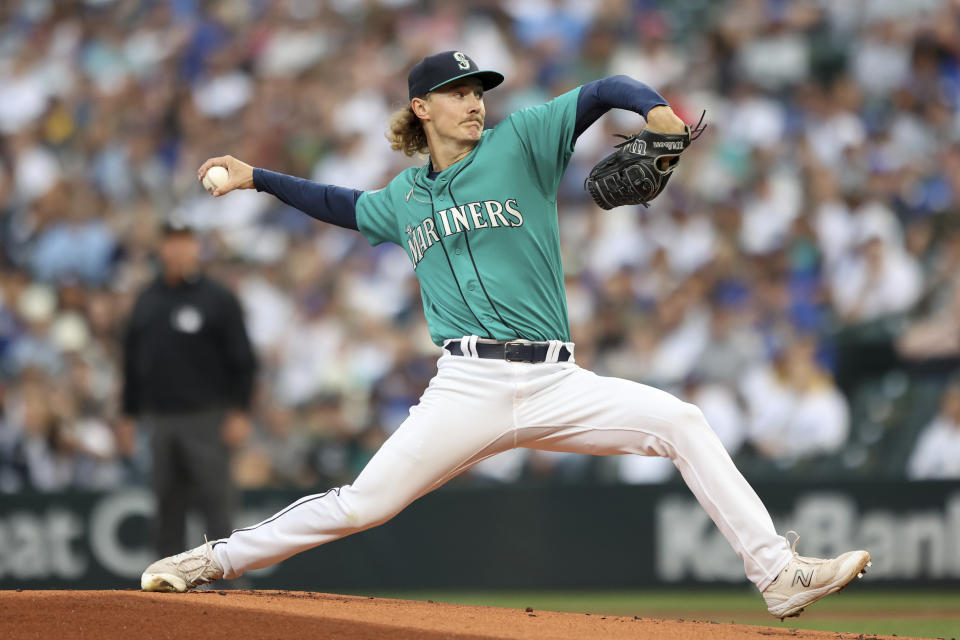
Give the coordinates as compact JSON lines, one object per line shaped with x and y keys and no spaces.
{"x":802,"y":578}
{"x":813,"y":578}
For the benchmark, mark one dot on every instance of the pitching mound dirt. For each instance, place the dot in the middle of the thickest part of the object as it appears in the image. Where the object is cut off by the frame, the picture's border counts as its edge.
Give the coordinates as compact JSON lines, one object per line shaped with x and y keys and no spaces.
{"x":116,"y":615}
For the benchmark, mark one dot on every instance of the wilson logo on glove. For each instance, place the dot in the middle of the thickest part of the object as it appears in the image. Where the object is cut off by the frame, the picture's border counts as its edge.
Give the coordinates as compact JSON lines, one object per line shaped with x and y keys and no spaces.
{"x":638,"y":147}
{"x":640,"y":167}
{"x":667,"y":144}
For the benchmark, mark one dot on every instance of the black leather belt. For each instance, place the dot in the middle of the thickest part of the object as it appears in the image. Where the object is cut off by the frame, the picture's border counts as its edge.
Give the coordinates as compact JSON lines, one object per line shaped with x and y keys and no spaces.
{"x":512,"y":351}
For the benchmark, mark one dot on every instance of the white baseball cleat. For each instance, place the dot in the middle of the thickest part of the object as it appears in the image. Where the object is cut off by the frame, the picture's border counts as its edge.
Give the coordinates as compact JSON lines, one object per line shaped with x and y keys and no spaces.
{"x":805,"y":580}
{"x":183,"y":571}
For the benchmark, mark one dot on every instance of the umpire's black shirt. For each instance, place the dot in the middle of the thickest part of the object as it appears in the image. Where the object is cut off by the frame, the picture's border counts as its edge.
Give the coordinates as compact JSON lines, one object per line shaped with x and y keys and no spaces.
{"x":186,"y":349}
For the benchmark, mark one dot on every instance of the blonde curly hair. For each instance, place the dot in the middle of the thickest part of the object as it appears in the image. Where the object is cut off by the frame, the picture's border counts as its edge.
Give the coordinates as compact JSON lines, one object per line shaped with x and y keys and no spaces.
{"x":406,"y":132}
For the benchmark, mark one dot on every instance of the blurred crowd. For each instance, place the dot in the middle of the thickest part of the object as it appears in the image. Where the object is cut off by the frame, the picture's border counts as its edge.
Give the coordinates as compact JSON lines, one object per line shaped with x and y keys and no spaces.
{"x":821,"y":200}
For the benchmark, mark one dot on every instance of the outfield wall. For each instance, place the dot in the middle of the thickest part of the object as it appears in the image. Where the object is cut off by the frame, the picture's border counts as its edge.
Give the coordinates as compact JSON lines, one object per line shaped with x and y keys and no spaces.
{"x":517,"y":537}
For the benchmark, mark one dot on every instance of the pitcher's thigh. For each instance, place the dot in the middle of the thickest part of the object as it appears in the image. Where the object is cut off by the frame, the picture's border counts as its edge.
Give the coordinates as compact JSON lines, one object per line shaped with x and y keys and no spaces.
{"x":587,"y":413}
{"x":427,"y":450}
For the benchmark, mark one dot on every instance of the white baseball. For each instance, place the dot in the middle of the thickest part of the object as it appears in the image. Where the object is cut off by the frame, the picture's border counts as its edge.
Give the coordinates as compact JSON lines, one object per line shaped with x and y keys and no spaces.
{"x":216,"y":176}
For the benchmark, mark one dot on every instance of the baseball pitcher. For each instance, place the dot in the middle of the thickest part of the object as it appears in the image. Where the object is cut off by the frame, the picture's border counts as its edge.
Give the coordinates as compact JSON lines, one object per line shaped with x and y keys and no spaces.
{"x":479,"y":224}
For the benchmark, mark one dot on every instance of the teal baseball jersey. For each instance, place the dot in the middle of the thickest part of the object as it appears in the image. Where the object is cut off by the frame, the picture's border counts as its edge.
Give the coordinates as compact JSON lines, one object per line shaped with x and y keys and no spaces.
{"x":482,"y":235}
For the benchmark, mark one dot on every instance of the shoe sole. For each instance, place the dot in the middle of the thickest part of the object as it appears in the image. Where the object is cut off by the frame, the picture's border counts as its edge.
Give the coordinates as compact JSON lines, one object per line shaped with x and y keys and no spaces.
{"x":795,"y":605}
{"x":164,"y":582}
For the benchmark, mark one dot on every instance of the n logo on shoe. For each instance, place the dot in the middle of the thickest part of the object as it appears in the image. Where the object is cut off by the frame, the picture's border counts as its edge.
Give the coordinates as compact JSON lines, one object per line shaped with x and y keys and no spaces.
{"x":804,"y":579}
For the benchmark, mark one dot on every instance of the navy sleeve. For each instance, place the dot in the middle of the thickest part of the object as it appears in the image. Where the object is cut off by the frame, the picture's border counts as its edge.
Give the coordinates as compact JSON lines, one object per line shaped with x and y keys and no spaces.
{"x":615,"y":92}
{"x":325,"y":202}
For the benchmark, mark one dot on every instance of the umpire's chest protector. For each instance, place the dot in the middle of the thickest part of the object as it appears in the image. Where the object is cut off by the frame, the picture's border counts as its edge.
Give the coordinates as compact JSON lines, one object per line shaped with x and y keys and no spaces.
{"x":482,"y":234}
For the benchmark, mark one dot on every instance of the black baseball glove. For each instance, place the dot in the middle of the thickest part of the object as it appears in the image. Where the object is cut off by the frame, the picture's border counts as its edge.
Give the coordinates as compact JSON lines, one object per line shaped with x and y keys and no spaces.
{"x":639,"y":169}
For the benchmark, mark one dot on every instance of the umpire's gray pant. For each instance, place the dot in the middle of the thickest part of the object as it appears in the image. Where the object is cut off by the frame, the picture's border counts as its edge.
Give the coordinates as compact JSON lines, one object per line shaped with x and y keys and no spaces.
{"x":191,"y":468}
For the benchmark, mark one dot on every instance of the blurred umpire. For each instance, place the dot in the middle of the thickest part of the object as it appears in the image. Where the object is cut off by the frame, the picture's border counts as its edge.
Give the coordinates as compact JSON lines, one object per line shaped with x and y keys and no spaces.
{"x":188,"y":377}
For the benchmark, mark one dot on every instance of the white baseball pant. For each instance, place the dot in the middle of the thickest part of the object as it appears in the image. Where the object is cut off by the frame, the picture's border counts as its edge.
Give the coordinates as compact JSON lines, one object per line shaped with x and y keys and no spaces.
{"x":475,"y":408}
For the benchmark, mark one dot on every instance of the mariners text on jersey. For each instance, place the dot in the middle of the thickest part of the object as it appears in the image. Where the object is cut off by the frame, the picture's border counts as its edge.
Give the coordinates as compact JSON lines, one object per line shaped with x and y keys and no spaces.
{"x":488,"y":214}
{"x":497,"y":272}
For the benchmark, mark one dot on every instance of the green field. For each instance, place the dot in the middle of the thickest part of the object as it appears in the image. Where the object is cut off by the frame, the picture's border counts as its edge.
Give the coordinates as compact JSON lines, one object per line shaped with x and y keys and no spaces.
{"x":919,"y":614}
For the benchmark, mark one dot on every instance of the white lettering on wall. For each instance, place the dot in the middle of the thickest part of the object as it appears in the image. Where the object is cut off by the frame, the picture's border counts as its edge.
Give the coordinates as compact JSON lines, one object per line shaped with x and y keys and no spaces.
{"x":903,"y":544}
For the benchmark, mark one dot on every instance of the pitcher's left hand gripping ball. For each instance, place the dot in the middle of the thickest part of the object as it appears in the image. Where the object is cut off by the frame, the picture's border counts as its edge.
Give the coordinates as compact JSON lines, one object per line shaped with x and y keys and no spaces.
{"x":638,"y":170}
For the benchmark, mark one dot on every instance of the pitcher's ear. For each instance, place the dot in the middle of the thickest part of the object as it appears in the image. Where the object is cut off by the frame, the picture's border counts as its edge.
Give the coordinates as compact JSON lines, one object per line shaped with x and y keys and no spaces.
{"x":419,"y":107}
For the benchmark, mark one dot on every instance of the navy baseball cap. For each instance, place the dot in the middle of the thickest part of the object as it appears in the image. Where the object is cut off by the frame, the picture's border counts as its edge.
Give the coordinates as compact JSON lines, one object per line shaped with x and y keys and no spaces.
{"x":175,"y":226}
{"x":437,"y":70}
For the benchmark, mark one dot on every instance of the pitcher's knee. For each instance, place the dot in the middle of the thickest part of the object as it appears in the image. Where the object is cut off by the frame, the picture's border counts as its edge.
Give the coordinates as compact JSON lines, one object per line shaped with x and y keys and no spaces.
{"x":366,"y":510}
{"x":691,"y":417}
{"x":693,"y":428}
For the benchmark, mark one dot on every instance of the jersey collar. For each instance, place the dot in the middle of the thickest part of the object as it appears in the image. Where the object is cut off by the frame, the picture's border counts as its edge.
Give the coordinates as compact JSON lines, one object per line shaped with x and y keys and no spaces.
{"x":429,"y":174}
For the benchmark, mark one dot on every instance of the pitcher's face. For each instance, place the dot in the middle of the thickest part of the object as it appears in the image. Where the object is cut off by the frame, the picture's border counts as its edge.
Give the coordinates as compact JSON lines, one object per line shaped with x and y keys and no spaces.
{"x":456,"y":111}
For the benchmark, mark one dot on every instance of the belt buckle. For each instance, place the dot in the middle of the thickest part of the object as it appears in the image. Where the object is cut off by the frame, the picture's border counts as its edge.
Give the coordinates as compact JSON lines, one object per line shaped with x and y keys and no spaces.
{"x":522,"y":351}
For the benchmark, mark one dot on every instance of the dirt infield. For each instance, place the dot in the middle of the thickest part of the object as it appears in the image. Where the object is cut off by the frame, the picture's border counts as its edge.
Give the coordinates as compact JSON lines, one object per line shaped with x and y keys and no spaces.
{"x":114,"y":615}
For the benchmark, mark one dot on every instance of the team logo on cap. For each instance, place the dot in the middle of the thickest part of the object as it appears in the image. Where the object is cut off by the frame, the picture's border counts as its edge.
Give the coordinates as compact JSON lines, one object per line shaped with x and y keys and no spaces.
{"x":462,"y":61}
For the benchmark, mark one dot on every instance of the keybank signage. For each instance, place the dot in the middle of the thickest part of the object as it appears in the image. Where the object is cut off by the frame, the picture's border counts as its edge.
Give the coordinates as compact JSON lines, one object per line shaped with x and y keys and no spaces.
{"x":905,"y":543}
{"x":102,"y":541}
